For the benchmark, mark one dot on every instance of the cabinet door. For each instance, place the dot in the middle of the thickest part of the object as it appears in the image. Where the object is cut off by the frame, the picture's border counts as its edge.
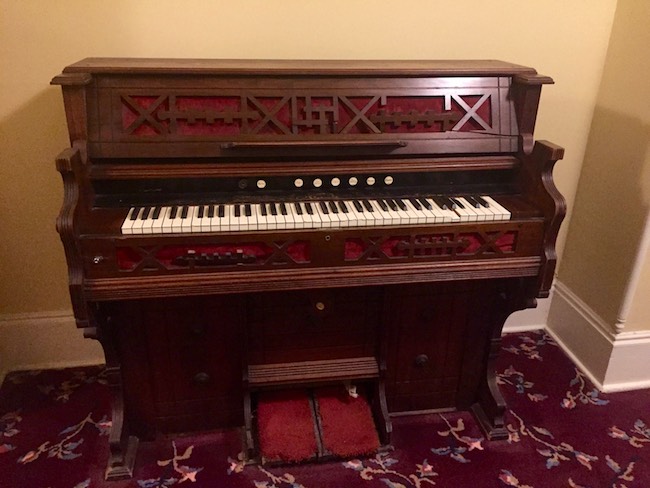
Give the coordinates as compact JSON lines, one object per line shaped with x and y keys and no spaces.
{"x":436,"y":344}
{"x":182,"y":362}
{"x":310,"y":325}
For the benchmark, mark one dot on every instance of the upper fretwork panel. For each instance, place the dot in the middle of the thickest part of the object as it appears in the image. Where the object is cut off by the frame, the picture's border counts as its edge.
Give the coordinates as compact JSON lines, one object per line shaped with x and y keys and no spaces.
{"x":134,"y":108}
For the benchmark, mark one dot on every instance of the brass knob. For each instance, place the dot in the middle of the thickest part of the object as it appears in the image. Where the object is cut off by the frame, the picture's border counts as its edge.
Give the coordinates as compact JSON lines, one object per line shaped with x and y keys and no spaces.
{"x":201,"y":378}
{"x":320,"y":306}
{"x":98,"y":259}
{"x":421,"y":360}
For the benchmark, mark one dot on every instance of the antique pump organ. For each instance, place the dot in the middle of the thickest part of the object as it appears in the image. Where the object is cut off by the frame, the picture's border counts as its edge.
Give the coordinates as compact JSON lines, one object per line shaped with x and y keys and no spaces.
{"x":232,"y":226}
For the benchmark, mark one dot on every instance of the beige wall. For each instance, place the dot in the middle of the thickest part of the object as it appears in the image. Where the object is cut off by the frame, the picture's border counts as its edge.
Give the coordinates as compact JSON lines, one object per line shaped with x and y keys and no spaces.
{"x":566,"y":40}
{"x":612,"y":208}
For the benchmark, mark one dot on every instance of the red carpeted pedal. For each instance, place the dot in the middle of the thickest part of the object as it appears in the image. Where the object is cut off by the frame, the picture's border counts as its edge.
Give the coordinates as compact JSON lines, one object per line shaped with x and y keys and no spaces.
{"x":286,"y":426}
{"x":347,"y":426}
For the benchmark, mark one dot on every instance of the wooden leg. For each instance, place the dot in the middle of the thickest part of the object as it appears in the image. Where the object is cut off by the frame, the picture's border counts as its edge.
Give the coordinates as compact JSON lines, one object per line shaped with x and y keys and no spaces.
{"x":490,"y":407}
{"x":122,"y":446}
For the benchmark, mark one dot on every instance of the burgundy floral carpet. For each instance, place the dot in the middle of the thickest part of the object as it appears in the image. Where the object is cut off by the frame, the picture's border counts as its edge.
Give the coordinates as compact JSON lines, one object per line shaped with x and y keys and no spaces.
{"x":563,"y":433}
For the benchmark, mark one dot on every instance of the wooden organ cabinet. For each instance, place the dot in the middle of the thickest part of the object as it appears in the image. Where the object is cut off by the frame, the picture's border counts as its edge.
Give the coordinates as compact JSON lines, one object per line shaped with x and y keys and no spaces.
{"x":232,"y":226}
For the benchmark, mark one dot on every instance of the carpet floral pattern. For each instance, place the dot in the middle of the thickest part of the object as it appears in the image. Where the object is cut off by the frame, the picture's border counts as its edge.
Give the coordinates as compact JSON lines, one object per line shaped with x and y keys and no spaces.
{"x":562,"y":433}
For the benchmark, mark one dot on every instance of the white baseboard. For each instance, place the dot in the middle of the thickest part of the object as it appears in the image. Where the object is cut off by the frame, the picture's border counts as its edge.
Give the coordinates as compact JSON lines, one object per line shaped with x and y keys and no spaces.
{"x":612,"y":361}
{"x":44,"y":340}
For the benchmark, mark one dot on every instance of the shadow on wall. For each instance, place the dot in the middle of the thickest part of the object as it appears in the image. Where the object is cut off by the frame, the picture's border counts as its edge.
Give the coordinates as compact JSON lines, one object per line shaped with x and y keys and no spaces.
{"x":609,"y":213}
{"x":33,"y":264}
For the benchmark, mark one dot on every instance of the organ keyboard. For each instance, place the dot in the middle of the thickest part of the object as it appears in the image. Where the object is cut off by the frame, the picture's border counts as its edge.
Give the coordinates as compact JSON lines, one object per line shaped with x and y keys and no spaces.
{"x":240,"y":217}
{"x":234,"y":226}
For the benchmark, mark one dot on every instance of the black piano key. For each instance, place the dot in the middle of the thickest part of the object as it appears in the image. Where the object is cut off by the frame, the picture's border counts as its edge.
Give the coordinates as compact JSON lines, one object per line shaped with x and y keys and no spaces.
{"x":263,"y":209}
{"x":283,"y":209}
{"x":210,"y":211}
{"x":343,"y":207}
{"x":457,"y":202}
{"x":145,"y":213}
{"x":482,"y":201}
{"x":237,"y":211}
{"x":247,"y":210}
{"x":425,"y":203}
{"x":368,"y":206}
{"x":416,"y":204}
{"x":308,"y":208}
{"x":174,"y":212}
{"x":298,"y":208}
{"x":442,"y":202}
{"x":274,"y":210}
{"x":201,"y":211}
{"x":400,"y":203}
{"x":473,"y":201}
{"x":323,"y":207}
{"x":221,"y":211}
{"x":333,"y":207}
{"x":383,"y":205}
{"x":156,"y":213}
{"x":357,"y":205}
{"x":392,"y":204}
{"x":134,"y":214}
{"x":184,"y":211}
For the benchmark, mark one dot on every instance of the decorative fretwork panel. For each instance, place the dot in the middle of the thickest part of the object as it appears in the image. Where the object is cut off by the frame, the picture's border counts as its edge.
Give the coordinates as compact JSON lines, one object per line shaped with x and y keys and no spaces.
{"x":207,"y":256}
{"x":431,"y":246}
{"x":174,"y":115}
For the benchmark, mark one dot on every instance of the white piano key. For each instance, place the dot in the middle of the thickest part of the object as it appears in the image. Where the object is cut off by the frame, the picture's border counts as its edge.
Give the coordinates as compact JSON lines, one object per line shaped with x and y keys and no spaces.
{"x":279,"y":218}
{"x":504,"y":213}
{"x":333,"y":214}
{"x":404,"y":216}
{"x":475,"y":215}
{"x":311,"y":220}
{"x":372,"y":216}
{"x":445,"y":215}
{"x":262,"y":221}
{"x":166,"y":220}
{"x":252,"y":220}
{"x":465,"y":214}
{"x":186,"y":223}
{"x":147,"y":225}
{"x":177,"y":222}
{"x":139,"y":222}
{"x":377,"y":214}
{"x":156,"y":226}
{"x":129,"y":220}
{"x":390,"y":217}
{"x":271,"y":220}
{"x":325,"y":221}
{"x":344,"y":214}
{"x":204,"y":222}
{"x":215,"y":220}
{"x":431,"y":214}
{"x":197,"y":221}
{"x":235,"y":220}
{"x":289,"y":221}
{"x":355,"y":218}
{"x":297,"y":216}
{"x":416,"y":216}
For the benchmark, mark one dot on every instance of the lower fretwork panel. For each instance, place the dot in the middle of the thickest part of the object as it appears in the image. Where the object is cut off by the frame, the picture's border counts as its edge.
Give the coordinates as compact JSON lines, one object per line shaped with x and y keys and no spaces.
{"x":183,"y":359}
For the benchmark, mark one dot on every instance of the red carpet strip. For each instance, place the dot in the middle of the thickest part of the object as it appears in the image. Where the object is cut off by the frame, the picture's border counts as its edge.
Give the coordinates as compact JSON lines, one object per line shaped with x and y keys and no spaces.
{"x":286,"y":426}
{"x":347,"y":427}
